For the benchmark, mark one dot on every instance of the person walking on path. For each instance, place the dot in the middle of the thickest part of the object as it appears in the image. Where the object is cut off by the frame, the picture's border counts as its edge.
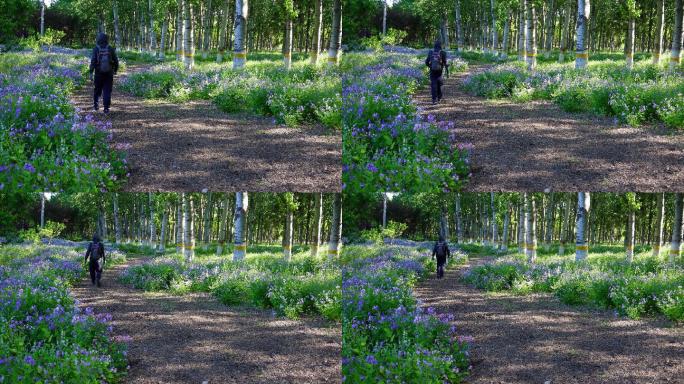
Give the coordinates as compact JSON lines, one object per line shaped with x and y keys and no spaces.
{"x":103,"y":64}
{"x":441,"y":250}
{"x":94,"y":253}
{"x":437,"y":62}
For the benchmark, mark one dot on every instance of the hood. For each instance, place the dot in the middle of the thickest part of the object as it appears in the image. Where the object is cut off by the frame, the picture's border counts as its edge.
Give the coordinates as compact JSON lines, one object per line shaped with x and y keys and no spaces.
{"x":102,"y":39}
{"x":96,"y":238}
{"x":438,"y":45}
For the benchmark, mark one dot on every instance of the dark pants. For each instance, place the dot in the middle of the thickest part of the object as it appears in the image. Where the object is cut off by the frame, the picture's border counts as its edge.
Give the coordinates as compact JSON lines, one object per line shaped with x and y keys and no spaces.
{"x":436,"y":85}
{"x":440,"y":266}
{"x":95,"y":271}
{"x":103,"y":87}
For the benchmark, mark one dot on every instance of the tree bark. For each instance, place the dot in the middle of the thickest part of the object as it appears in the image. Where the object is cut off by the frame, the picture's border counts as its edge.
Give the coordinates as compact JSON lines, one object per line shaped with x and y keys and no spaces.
{"x":336,"y":33}
{"x":318,"y":28}
{"x":335,"y":227}
{"x":583,"y":13}
{"x":659,"y":225}
{"x":583,"y":204}
{"x":676,"y":229}
{"x":531,"y":47}
{"x":240,"y":227}
{"x":239,"y":32}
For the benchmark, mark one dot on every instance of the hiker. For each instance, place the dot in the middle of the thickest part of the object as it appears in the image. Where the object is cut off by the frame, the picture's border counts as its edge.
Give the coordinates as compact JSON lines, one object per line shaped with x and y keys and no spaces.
{"x":104,"y":64}
{"x":437,"y":62}
{"x":93,"y":255}
{"x":441,"y":250}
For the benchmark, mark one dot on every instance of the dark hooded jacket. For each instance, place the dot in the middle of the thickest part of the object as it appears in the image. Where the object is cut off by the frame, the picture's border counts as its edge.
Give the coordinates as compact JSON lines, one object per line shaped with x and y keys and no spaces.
{"x":102,"y":42}
{"x":95,"y":249}
{"x":442,"y":55}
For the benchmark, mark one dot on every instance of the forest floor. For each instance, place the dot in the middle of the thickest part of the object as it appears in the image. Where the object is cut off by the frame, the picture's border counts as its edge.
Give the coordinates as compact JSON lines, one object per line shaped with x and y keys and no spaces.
{"x":192,"y":146}
{"x":536,"y":145}
{"x":537,"y":339}
{"x":192,"y":338}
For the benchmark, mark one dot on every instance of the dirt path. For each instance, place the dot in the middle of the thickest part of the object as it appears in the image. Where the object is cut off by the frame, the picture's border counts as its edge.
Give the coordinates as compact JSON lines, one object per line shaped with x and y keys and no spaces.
{"x":537,"y":339}
{"x":194,"y":339}
{"x":192,"y":146}
{"x":536,"y":145}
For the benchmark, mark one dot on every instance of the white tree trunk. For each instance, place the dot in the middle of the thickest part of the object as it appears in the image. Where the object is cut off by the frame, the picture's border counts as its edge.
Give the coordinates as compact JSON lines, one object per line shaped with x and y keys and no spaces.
{"x":287,"y":44}
{"x":506,"y":224}
{"x":42,"y":209}
{"x":676,"y":229}
{"x":318,"y":222}
{"x":164,"y":33}
{"x":660,"y":24}
{"x":494,"y":227}
{"x":188,"y":230}
{"x":206,"y":226}
{"x":522,"y":226}
{"x":180,"y":53}
{"x":152,"y":37}
{"x":222,"y":227}
{"x":287,"y":235}
{"x":532,"y":232}
{"x":188,"y":36}
{"x":153,"y":230}
{"x":318,"y":28}
{"x":223,"y":32}
{"x":531,"y":46}
{"x":506,"y":34}
{"x":240,"y":226}
{"x":42,"y":17}
{"x":384,"y":210}
{"x":384,"y":17}
{"x":583,"y":13}
{"x":239,"y":30}
{"x":335,"y":33}
{"x":629,"y":43}
{"x":677,"y":35}
{"x":659,"y":225}
{"x":581,"y":246}
{"x":629,"y":247}
{"x":335,"y":227}
{"x":548,"y":36}
{"x":180,"y":234}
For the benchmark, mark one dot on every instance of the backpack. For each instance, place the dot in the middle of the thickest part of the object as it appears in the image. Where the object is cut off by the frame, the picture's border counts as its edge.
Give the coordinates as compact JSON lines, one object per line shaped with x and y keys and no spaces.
{"x":441,"y":249}
{"x":95,"y":251}
{"x":104,"y":60}
{"x":435,"y":61}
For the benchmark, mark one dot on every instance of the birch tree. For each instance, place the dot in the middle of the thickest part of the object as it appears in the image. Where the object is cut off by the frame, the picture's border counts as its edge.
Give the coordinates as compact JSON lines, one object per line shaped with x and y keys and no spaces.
{"x":565,"y":227}
{"x":335,"y":227}
{"x":206,"y":27}
{"x":565,"y":31}
{"x":152,"y":37}
{"x":583,"y":204}
{"x":548,"y":35}
{"x":318,"y":223}
{"x":318,"y":29}
{"x":522,"y":31}
{"x":531,"y":46}
{"x":287,"y":41}
{"x":531,"y":231}
{"x":335,"y":33}
{"x":675,"y":57}
{"x":239,"y":30}
{"x":188,"y":228}
{"x":676,"y":228}
{"x":222,"y":226}
{"x":660,"y":24}
{"x":240,"y":226}
{"x":180,"y":52}
{"x":287,"y":232}
{"x":223,"y":32}
{"x":117,"y":28}
{"x":506,"y":224}
{"x":583,"y":13}
{"x":164,"y":228}
{"x":152,"y":230}
{"x":180,"y":232}
{"x":660,"y":220}
{"x":495,"y":33}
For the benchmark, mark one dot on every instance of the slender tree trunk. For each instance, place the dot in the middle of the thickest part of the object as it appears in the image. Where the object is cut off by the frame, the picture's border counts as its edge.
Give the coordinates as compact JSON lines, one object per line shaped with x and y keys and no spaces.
{"x":335,"y":226}
{"x":42,"y":209}
{"x":629,"y":43}
{"x":152,"y":37}
{"x":287,"y":235}
{"x":522,"y":35}
{"x":384,"y":210}
{"x":117,"y":29}
{"x":239,"y":32}
{"x":222,"y":227}
{"x":676,"y":228}
{"x":153,"y":230}
{"x":444,"y":224}
{"x":287,"y":43}
{"x":223,"y":32}
{"x":188,"y":228}
{"x":548,"y":228}
{"x":206,"y":226}
{"x":677,"y":35}
{"x":581,"y":246}
{"x":548,"y":35}
{"x":42,"y":17}
{"x":565,"y":31}
{"x":117,"y":226}
{"x":188,"y":36}
{"x":532,"y":232}
{"x":629,"y":236}
{"x":495,"y":32}
{"x":506,"y":34}
{"x":384,"y":17}
{"x":318,"y":28}
{"x":494,"y":227}
{"x":459,"y":27}
{"x":522,"y":226}
{"x":565,"y":227}
{"x":180,"y":53}
{"x":336,"y":33}
{"x":660,"y":24}
{"x":164,"y":228}
{"x":659,"y":225}
{"x":507,"y":223}
{"x":240,"y":226}
{"x":459,"y":220}
{"x":583,"y":13}
{"x":531,"y":47}
{"x":164,"y":33}
{"x":180,"y":234}
{"x":318,"y":222}
{"x":207,"y":31}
